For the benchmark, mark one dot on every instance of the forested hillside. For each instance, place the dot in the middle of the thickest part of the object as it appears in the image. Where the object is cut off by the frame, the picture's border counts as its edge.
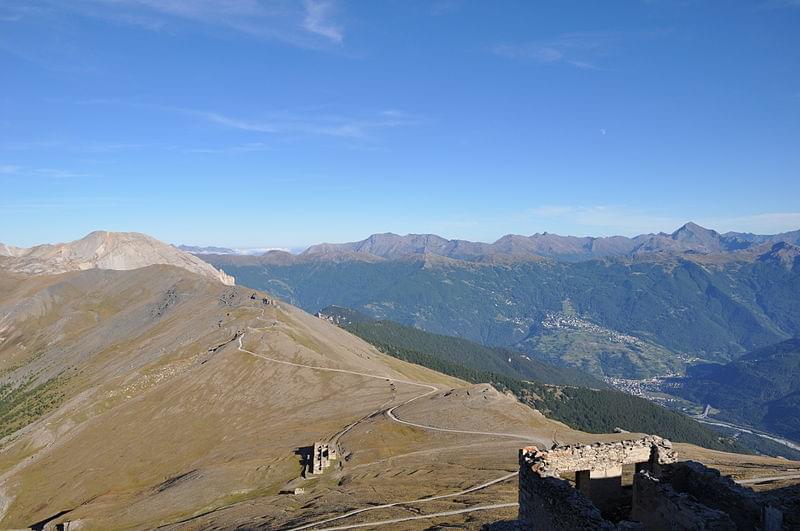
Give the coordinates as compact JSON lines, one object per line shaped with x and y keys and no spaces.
{"x":456,"y":350}
{"x":762,"y":388}
{"x":679,"y":308}
{"x":592,"y":410}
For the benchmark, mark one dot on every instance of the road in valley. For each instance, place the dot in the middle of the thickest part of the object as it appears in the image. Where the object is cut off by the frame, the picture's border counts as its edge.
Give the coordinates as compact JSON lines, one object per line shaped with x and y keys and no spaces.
{"x":751,"y":431}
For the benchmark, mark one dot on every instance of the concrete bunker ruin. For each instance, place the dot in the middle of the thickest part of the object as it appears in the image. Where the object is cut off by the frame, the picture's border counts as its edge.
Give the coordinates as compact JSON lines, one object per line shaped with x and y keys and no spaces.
{"x":635,"y":484}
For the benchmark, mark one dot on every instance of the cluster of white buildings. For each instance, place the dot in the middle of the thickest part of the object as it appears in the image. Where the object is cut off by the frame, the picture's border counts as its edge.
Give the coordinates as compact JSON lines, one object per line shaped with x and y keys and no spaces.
{"x":563,"y":321}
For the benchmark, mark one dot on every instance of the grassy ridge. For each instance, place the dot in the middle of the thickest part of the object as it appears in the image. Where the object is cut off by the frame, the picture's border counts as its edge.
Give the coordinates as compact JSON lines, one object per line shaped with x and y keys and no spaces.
{"x":591,"y":410}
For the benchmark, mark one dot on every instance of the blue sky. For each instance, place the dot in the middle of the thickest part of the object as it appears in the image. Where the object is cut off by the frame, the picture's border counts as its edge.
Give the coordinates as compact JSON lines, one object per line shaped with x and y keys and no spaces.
{"x":283,"y":123}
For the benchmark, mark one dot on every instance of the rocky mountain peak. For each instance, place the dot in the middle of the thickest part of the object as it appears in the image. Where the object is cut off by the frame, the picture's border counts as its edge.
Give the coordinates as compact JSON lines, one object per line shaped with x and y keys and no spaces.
{"x":693,"y":233}
{"x":108,"y":250}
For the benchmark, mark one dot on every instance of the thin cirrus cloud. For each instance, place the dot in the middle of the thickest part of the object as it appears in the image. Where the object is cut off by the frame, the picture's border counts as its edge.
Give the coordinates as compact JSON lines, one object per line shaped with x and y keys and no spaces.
{"x":362,"y":126}
{"x":331,"y":126}
{"x":52,"y":173}
{"x":318,"y":20}
{"x":607,"y":220}
{"x":580,"y":50}
{"x":311,"y":23}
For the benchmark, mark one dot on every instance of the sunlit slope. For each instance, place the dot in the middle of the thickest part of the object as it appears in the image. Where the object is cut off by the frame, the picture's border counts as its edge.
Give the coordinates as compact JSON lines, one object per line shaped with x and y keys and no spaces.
{"x":151,"y":386}
{"x":152,"y":397}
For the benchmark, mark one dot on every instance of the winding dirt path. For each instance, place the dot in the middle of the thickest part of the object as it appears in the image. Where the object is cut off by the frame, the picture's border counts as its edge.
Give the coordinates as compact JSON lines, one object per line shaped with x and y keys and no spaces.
{"x":423,"y":516}
{"x":430,"y":389}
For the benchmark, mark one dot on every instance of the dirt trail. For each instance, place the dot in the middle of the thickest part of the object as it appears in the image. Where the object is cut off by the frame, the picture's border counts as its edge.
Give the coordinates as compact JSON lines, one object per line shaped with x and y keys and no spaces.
{"x":430,"y":389}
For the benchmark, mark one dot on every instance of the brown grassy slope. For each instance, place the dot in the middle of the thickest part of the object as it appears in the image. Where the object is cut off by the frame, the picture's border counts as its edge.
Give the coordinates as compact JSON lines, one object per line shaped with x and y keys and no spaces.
{"x":162,"y":420}
{"x":145,"y":400}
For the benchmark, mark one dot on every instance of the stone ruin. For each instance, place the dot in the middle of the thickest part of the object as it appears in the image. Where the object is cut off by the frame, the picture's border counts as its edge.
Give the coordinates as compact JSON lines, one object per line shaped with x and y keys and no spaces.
{"x":638,"y":484}
{"x":321,"y":456}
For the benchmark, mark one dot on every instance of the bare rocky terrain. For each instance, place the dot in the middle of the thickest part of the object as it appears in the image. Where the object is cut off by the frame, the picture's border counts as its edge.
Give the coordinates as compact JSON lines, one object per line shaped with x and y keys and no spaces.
{"x":160,"y":397}
{"x":104,"y":250}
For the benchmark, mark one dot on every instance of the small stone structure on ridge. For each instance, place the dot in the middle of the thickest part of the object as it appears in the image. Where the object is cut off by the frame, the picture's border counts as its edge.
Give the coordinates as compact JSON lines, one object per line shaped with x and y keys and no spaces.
{"x":321,"y":456}
{"x":638,"y":484}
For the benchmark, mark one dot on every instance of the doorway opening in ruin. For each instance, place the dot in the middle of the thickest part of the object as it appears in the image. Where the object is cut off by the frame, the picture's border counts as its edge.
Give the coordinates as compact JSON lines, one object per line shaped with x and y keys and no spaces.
{"x":610,"y":489}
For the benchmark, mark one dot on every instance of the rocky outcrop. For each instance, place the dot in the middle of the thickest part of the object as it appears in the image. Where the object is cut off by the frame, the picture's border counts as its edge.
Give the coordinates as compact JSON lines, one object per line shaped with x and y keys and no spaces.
{"x":106,"y":250}
{"x":10,"y":250}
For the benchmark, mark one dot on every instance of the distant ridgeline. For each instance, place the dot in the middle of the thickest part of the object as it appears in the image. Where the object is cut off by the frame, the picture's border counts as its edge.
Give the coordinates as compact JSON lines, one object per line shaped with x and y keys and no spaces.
{"x":631,"y":316}
{"x":559,"y":393}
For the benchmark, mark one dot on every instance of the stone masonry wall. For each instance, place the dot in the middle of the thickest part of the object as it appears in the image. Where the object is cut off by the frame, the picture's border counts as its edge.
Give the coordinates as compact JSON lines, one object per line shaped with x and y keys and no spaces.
{"x":599,"y":456}
{"x":550,"y":503}
{"x":714,"y":490}
{"x":658,"y":506}
{"x":667,"y":494}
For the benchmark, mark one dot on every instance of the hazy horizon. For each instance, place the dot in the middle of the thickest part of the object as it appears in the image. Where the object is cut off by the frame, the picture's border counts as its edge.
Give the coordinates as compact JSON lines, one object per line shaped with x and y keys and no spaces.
{"x":295,"y":249}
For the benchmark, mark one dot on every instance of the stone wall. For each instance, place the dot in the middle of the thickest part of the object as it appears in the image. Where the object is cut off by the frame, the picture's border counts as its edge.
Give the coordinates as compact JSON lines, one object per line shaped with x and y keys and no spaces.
{"x":658,"y":506}
{"x":714,"y":490}
{"x":666,"y":494}
{"x":599,"y":457}
{"x":552,"y":503}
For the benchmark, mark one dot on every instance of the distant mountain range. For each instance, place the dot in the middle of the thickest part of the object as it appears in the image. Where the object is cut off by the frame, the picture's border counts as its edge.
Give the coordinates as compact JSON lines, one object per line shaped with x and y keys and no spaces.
{"x":104,"y":250}
{"x":649,"y":306}
{"x":255,"y":251}
{"x":690,"y":238}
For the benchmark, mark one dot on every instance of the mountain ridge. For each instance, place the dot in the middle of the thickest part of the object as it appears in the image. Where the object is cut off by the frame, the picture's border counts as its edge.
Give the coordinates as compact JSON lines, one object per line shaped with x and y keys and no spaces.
{"x":689,"y":238}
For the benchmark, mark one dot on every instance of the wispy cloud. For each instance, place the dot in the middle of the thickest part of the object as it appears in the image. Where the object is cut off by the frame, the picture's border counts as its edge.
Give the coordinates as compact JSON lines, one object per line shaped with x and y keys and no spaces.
{"x":444,"y":7}
{"x":361,"y":126}
{"x":601,"y":220}
{"x":778,"y":4}
{"x":332,"y":125}
{"x":761,"y":223}
{"x":606,"y":220}
{"x":318,"y":20}
{"x":250,"y":147}
{"x":51,"y":173}
{"x":580,"y":50}
{"x":308,"y":24}
{"x":72,"y":203}
{"x":8,"y":169}
{"x":77,"y":147}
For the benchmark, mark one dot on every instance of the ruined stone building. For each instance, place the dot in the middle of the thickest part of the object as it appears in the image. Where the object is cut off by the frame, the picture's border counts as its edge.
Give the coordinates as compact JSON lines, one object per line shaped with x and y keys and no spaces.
{"x":321,"y":456}
{"x":639,"y":484}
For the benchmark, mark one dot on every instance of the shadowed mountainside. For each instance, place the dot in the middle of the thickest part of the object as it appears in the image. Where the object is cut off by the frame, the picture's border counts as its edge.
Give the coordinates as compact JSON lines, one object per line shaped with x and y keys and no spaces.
{"x":761,"y":388}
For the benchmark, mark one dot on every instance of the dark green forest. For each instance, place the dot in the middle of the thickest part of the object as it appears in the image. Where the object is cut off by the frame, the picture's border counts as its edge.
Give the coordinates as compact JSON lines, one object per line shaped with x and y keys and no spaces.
{"x":591,"y":410}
